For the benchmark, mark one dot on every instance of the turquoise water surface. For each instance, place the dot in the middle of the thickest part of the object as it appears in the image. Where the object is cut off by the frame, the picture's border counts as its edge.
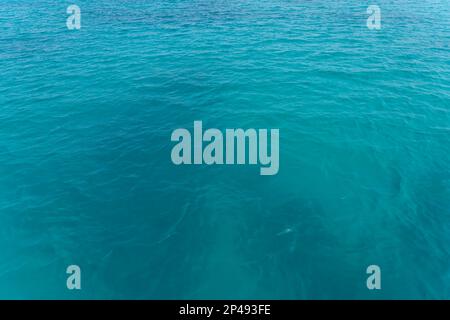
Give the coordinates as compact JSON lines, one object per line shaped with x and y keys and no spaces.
{"x":86,"y":176}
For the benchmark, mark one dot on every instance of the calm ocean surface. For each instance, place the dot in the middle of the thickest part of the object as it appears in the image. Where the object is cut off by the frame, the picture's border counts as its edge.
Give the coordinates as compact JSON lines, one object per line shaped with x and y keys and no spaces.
{"x":86,"y":176}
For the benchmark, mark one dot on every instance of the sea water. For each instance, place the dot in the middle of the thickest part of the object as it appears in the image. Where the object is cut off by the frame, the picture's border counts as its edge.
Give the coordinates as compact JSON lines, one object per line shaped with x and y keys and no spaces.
{"x":86,"y":176}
